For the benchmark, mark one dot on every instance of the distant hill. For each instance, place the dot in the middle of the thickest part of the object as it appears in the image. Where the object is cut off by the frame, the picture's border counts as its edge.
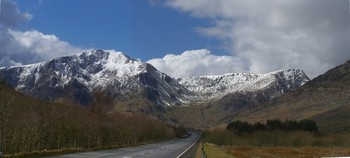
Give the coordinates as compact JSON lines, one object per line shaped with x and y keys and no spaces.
{"x":325,"y":99}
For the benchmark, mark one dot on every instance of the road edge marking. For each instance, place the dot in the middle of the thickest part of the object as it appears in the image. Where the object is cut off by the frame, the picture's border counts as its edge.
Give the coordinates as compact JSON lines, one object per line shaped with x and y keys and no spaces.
{"x":188,"y":148}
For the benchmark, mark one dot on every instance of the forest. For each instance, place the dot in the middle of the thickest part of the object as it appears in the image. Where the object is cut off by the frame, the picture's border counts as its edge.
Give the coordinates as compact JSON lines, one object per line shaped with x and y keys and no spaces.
{"x":28,"y":125}
{"x":288,"y":125}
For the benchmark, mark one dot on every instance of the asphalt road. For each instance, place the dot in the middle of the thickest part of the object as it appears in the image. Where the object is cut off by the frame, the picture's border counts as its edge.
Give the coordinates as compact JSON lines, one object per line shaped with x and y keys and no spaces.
{"x":169,"y":149}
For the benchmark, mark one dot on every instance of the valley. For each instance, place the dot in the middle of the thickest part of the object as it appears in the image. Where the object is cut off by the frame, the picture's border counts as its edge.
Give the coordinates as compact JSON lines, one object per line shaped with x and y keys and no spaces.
{"x":124,"y":84}
{"x":174,"y":78}
{"x":107,"y":92}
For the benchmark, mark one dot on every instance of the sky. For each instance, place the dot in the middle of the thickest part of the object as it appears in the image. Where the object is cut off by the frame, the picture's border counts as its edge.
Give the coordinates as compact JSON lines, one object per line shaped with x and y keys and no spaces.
{"x":180,"y":37}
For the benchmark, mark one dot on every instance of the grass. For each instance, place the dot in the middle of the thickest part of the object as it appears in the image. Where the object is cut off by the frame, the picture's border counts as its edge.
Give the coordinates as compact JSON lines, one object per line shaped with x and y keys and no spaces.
{"x":276,"y":138}
{"x":286,"y":152}
{"x":277,"y":144}
{"x":45,"y":153}
{"x":214,"y":151}
{"x":199,"y":151}
{"x":48,"y":153}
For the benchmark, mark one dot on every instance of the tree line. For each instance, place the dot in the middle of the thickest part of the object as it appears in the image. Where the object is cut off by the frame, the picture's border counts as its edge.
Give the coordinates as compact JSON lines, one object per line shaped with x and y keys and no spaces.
{"x":240,"y":127}
{"x":28,"y":125}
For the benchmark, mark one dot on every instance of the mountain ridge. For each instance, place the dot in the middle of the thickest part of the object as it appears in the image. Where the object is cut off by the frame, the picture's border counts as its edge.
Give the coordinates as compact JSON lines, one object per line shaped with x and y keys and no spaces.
{"x":110,"y":72}
{"x":218,"y":86}
{"x":325,"y":99}
{"x":79,"y":78}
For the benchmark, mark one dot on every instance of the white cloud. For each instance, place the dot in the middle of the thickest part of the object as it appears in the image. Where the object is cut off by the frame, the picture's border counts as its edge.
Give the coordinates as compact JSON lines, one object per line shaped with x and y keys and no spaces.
{"x":26,"y":47}
{"x":10,"y":14}
{"x":41,"y":46}
{"x":273,"y":34}
{"x":18,"y":48}
{"x":197,"y":63}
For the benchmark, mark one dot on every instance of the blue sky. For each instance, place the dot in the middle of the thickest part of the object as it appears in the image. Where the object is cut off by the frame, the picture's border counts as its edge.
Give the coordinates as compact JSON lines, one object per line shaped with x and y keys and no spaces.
{"x":137,"y":27}
{"x":182,"y":37}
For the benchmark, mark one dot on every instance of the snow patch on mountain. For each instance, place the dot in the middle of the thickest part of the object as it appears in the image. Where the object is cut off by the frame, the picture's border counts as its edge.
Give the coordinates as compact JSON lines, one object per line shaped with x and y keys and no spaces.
{"x":215,"y":87}
{"x":80,"y":76}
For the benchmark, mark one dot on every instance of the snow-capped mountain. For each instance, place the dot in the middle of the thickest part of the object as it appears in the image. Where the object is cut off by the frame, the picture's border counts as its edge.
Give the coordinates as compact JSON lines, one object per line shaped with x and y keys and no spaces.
{"x":78,"y":78}
{"x":215,"y":87}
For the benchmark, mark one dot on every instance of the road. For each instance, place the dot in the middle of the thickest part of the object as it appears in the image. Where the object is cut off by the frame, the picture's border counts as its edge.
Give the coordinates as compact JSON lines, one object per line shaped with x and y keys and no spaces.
{"x":169,"y":149}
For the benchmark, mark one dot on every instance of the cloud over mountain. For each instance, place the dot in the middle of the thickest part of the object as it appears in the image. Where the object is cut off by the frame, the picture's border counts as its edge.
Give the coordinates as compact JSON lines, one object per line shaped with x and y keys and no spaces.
{"x":197,"y":63}
{"x":10,"y":15}
{"x":272,"y":34}
{"x":261,"y":36}
{"x":26,"y":47}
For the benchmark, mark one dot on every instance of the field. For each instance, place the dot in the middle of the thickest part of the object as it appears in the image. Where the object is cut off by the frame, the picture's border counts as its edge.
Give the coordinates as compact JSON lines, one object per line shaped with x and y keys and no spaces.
{"x":286,"y":152}
{"x":276,"y":144}
{"x":214,"y":151}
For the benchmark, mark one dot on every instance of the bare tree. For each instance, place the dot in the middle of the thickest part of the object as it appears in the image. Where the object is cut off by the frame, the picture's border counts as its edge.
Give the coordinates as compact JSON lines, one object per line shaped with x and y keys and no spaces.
{"x":6,"y":102}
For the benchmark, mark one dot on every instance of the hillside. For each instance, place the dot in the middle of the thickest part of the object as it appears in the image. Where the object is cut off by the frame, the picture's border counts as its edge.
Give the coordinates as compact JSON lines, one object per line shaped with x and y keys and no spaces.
{"x":224,"y":96}
{"x":28,"y":125}
{"x":325,"y":99}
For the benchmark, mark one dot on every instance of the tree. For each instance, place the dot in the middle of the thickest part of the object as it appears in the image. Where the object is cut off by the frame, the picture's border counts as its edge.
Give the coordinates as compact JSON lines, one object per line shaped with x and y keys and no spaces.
{"x":308,"y":125}
{"x":244,"y":127}
{"x":259,"y":126}
{"x":5,"y":109}
{"x":180,"y":131}
{"x":274,"y":125}
{"x":291,"y":125}
{"x":240,"y":127}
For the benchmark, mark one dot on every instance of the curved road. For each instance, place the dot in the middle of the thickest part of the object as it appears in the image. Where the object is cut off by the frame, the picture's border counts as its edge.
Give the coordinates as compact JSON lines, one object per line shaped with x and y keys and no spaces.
{"x":169,"y":149}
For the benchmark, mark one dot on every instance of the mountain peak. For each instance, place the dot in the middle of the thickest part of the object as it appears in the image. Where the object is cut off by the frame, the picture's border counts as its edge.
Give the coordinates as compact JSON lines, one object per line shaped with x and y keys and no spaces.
{"x":288,"y":71}
{"x":110,"y":56}
{"x":341,"y":72}
{"x":78,"y":77}
{"x":220,"y":85}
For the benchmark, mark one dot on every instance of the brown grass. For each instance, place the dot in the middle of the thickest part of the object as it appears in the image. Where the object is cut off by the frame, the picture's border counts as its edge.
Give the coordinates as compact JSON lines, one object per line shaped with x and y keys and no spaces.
{"x":214,"y":151}
{"x":286,"y":152}
{"x":276,"y":138}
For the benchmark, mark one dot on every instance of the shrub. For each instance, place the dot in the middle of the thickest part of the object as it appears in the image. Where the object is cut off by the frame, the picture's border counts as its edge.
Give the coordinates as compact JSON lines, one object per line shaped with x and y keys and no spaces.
{"x":240,"y":127}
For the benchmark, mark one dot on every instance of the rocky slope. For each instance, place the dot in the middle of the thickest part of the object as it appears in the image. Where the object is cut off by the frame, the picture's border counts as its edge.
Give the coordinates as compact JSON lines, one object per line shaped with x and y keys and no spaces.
{"x":225,"y":96}
{"x":325,"y":99}
{"x":78,"y":78}
{"x":216,"y":87}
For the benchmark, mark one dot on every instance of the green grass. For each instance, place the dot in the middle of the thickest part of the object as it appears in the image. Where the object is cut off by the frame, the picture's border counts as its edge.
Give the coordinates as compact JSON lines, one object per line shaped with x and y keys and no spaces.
{"x":213,"y":151}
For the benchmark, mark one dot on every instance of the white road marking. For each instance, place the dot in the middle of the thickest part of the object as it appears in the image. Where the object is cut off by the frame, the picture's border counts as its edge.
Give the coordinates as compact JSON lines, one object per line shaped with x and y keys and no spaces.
{"x":104,"y":155}
{"x":188,"y":148}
